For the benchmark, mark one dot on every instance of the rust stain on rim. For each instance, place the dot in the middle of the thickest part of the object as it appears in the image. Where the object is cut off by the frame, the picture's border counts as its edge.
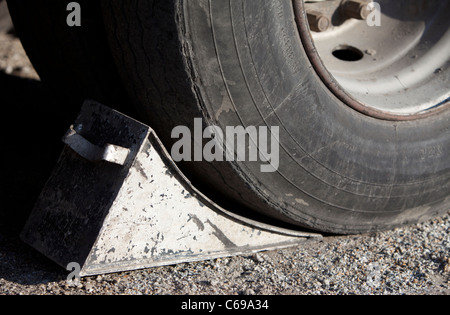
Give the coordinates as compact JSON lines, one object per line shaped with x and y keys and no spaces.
{"x":335,"y":87}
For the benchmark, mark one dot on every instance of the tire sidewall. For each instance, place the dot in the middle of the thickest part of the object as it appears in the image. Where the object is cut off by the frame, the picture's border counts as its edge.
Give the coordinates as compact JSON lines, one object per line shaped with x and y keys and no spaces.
{"x":340,"y":170}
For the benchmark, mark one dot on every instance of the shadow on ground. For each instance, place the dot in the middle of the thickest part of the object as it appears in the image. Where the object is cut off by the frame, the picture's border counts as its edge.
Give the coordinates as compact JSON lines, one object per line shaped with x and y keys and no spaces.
{"x":34,"y":122}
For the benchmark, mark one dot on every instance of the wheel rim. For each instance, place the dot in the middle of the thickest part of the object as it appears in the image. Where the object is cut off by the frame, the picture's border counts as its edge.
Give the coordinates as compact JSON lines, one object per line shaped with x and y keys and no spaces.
{"x":396,"y":70}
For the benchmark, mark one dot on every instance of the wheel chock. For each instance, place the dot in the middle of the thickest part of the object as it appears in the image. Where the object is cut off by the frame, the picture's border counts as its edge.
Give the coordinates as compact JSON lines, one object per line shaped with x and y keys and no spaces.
{"x":116,"y":201}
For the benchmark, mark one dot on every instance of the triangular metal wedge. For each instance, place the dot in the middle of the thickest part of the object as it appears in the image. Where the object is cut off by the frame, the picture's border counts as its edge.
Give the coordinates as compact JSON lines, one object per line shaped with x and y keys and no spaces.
{"x":116,"y":202}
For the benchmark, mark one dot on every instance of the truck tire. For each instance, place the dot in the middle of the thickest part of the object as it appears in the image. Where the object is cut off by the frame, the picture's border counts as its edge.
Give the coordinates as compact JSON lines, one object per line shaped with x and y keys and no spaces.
{"x":343,"y":167}
{"x":243,"y":63}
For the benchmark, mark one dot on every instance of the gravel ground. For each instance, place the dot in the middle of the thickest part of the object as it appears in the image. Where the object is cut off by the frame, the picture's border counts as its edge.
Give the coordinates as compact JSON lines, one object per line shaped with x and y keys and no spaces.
{"x":411,"y":260}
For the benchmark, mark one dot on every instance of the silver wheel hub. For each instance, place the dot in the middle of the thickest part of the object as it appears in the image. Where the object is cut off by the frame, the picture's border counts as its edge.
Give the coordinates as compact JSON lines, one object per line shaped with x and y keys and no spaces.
{"x":396,"y":61}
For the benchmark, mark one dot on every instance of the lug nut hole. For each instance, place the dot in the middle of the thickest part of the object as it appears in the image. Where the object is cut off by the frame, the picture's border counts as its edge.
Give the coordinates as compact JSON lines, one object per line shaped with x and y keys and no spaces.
{"x":348,"y":53}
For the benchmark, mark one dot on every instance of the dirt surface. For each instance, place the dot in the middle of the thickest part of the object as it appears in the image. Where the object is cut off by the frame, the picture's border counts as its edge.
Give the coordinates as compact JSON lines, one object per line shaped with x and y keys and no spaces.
{"x":410,"y":260}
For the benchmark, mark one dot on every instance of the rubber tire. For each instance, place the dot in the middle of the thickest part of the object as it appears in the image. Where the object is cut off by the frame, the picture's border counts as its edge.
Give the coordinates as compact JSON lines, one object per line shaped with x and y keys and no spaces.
{"x":242,"y":62}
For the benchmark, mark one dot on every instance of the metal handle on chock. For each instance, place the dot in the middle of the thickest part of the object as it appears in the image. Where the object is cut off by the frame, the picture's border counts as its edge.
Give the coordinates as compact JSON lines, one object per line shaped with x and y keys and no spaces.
{"x":91,"y":152}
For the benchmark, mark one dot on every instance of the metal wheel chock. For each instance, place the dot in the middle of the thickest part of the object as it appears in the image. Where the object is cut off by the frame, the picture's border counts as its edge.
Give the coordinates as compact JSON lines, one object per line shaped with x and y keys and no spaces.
{"x":116,"y":202}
